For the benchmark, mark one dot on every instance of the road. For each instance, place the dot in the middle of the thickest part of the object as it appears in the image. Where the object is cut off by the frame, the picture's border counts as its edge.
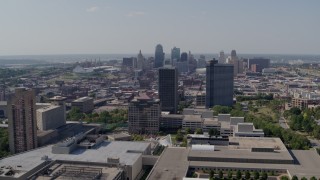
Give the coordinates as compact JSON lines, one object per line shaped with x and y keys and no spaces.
{"x":283,"y":123}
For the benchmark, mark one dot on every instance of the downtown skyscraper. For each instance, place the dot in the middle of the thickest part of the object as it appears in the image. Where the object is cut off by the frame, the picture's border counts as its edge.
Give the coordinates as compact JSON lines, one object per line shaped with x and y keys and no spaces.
{"x":219,"y":84}
{"x":158,"y":56}
{"x":168,"y":89}
{"x":22,"y":121}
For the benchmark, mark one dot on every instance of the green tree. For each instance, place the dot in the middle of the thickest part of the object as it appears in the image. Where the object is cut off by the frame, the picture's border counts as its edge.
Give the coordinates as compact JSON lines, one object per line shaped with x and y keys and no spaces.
{"x":230,"y":174}
{"x":294,"y":177}
{"x":199,"y":131}
{"x":239,"y":174}
{"x":211,"y":174}
{"x":220,"y":174}
{"x":264,"y":176}
{"x":247,"y":175}
{"x":213,"y":132}
{"x":256,"y":175}
{"x":313,"y":178}
{"x":304,"y":178}
{"x":188,"y":130}
{"x":284,"y":178}
{"x":179,"y":136}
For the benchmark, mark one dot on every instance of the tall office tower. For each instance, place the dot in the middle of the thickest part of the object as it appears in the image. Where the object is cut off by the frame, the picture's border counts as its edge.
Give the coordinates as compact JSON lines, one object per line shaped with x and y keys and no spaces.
{"x":238,"y":66}
{"x":140,"y":61}
{"x":222,"y":58}
{"x":258,"y":64}
{"x":202,"y":62}
{"x":192,"y":63}
{"x":184,"y":57}
{"x":144,"y":115}
{"x":22,"y":121}
{"x":129,"y":62}
{"x":175,"y":54}
{"x":233,"y":54}
{"x":159,"y":56}
{"x":219,"y":84}
{"x":168,"y":89}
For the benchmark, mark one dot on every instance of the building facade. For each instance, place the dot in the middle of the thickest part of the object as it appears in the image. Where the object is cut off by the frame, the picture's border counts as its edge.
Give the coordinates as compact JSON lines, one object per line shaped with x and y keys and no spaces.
{"x":50,"y":117}
{"x":175,"y":54}
{"x":158,"y":56}
{"x":258,"y":64}
{"x":168,"y":89}
{"x":22,"y":121}
{"x":85,"y":104}
{"x":144,"y":115}
{"x":219,"y":84}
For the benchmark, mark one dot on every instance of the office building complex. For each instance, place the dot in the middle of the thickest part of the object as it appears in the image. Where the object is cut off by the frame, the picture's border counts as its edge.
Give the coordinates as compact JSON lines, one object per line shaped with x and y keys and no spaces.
{"x":258,"y":64}
{"x":144,"y":115}
{"x":129,"y":62}
{"x":22,"y":121}
{"x":51,"y":117}
{"x":175,"y":54}
{"x":159,"y":56}
{"x":85,"y":104}
{"x":219,"y":84}
{"x":168,"y":89}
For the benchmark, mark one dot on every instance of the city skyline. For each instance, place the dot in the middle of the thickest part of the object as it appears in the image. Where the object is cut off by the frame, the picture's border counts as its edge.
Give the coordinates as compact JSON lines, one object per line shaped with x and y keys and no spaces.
{"x":113,"y":27}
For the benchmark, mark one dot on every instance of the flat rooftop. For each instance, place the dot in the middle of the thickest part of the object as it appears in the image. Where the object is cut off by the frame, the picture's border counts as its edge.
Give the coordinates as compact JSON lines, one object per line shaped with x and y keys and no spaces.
{"x":48,"y":108}
{"x":24,"y":162}
{"x":83,"y":99}
{"x":172,"y":164}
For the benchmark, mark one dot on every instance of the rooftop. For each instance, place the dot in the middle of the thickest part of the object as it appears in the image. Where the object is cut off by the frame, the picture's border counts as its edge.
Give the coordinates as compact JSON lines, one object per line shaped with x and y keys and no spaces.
{"x":82,"y":99}
{"x":48,"y":108}
{"x":128,"y":152}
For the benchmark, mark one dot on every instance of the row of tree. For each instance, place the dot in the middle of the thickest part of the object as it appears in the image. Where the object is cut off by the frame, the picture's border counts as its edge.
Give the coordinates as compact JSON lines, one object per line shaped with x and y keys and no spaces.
{"x":256,"y":97}
{"x":114,"y":116}
{"x":238,"y":174}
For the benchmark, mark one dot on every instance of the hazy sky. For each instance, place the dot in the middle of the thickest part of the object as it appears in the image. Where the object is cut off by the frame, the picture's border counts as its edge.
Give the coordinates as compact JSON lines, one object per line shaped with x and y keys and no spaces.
{"x":125,"y":26}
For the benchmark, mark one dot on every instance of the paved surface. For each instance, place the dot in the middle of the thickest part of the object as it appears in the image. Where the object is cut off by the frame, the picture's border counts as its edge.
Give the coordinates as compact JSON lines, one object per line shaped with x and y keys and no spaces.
{"x":283,"y":123}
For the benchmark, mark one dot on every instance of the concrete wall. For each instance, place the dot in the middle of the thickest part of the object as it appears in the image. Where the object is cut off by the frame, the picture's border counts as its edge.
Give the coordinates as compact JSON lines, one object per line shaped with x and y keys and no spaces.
{"x":224,"y":117}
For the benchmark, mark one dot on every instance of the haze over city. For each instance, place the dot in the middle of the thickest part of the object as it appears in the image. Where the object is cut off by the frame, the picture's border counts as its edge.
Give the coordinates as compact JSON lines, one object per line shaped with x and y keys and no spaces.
{"x":114,"y":27}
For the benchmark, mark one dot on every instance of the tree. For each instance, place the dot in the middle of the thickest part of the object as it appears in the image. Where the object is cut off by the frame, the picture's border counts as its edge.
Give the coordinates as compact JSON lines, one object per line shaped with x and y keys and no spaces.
{"x":179,"y":136}
{"x":213,"y":132}
{"x":313,"y":178}
{"x":264,"y":176}
{"x":247,"y":175}
{"x":256,"y":175}
{"x":230,"y":174}
{"x":199,"y":131}
{"x":304,"y":178}
{"x":284,"y":178}
{"x":239,"y":174}
{"x":294,"y":177}
{"x":295,"y":111}
{"x":188,"y":130}
{"x":220,"y":174}
{"x":211,"y":174}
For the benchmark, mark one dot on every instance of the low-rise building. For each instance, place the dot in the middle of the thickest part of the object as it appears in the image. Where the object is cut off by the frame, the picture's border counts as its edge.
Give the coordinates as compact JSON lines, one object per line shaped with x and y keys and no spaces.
{"x":85,"y":104}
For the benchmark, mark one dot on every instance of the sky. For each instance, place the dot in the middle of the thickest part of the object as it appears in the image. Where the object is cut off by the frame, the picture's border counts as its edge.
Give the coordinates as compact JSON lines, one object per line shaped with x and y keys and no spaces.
{"x":40,"y":27}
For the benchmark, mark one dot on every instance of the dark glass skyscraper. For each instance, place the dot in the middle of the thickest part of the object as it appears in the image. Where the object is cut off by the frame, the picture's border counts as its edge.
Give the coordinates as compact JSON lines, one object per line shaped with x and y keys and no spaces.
{"x":219,"y":84}
{"x":184,"y":57}
{"x":168,"y":89}
{"x":159,"y":56}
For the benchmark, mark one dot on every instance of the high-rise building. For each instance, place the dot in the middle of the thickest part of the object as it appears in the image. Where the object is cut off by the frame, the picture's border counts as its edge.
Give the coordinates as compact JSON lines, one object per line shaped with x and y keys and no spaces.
{"x":168,"y":89}
{"x":222,"y":58}
{"x":175,"y":54}
{"x":159,"y":56}
{"x":219,"y":84}
{"x":144,"y":115}
{"x":258,"y":64}
{"x":184,"y":57}
{"x":22,"y":120}
{"x":140,"y":61}
{"x":237,"y":66}
{"x":192,"y":63}
{"x":202,"y":62}
{"x":129,"y":62}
